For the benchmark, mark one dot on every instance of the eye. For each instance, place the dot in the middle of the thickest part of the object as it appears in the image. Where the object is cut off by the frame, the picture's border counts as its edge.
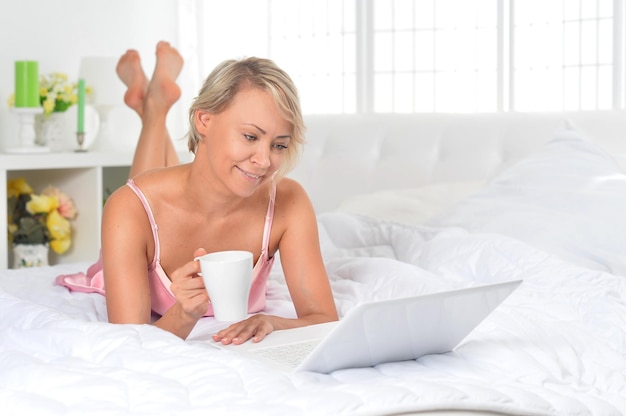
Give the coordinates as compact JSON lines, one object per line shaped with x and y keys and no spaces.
{"x":280,"y":146}
{"x":249,"y":137}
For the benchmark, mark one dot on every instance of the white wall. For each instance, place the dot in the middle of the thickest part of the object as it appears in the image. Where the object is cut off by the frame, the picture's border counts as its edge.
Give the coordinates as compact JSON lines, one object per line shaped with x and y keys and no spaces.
{"x":57,"y":33}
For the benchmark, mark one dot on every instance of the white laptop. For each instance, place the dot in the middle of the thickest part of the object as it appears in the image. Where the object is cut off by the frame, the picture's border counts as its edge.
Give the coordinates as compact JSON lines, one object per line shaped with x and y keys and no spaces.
{"x":379,"y":332}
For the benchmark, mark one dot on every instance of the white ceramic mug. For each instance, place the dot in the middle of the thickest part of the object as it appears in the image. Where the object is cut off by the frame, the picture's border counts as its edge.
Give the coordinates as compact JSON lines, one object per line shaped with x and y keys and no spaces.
{"x":227,"y":277}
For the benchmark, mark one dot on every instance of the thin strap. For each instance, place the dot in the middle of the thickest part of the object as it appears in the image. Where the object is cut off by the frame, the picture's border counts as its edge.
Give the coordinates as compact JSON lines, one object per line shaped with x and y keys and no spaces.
{"x":269,"y":219}
{"x":146,"y":205}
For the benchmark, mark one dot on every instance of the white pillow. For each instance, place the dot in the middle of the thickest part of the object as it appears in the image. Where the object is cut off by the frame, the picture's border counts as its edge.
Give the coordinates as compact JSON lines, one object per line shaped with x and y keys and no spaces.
{"x":409,"y":206}
{"x":568,"y":199}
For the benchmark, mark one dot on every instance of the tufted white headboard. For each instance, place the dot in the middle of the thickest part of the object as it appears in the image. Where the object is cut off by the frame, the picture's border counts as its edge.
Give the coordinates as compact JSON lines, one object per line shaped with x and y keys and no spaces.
{"x":346,"y":155}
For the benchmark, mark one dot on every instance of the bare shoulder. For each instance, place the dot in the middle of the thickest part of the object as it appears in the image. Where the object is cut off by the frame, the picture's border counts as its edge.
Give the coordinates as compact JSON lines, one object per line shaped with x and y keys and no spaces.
{"x":154,"y":185}
{"x":290,"y":187}
{"x":293,"y":209}
{"x":290,"y":193}
{"x":118,"y":197}
{"x":161,"y":179}
{"x":122,"y":205}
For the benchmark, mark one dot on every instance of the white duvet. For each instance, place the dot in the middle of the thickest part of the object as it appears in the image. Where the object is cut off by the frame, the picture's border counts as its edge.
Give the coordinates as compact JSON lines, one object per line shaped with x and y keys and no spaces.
{"x":556,"y":346}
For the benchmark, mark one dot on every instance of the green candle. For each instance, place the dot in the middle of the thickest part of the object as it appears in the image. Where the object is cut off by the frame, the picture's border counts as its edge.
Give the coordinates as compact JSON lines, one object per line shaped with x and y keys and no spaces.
{"x":81,"y":106}
{"x":27,"y":84}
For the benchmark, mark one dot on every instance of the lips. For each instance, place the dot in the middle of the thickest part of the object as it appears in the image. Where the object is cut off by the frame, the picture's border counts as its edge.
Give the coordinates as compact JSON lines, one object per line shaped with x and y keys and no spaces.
{"x":249,"y":175}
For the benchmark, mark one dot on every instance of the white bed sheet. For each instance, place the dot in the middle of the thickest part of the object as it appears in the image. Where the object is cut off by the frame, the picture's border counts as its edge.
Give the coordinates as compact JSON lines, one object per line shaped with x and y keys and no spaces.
{"x":557,"y":346}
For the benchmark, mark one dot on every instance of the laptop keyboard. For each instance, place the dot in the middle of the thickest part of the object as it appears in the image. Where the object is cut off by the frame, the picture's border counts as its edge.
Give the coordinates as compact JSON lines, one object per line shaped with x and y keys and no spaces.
{"x":290,"y":355}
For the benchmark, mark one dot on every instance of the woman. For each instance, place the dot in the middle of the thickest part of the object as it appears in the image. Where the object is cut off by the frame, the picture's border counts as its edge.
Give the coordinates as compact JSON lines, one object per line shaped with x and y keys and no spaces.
{"x":246,"y":129}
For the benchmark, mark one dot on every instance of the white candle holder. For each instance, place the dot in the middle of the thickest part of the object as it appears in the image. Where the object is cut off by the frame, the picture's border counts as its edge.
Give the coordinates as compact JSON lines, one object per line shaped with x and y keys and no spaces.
{"x":26,"y":131}
{"x":80,"y":138}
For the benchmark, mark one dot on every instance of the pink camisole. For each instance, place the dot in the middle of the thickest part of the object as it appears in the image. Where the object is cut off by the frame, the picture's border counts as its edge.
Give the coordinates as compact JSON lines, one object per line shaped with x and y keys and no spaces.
{"x":161,"y":296}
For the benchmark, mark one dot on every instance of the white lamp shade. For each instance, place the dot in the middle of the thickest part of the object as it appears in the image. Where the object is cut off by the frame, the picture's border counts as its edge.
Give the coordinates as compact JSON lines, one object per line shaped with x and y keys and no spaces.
{"x":99,"y":74}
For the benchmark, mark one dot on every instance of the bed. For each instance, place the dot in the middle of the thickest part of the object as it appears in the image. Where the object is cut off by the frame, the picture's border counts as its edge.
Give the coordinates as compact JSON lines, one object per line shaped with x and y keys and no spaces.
{"x":407,"y":204}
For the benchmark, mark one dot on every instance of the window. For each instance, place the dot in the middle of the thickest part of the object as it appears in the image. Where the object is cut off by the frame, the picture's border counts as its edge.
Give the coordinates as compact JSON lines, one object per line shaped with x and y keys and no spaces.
{"x":315,"y":42}
{"x":573,"y":67}
{"x":435,"y":55}
{"x":350,"y":56}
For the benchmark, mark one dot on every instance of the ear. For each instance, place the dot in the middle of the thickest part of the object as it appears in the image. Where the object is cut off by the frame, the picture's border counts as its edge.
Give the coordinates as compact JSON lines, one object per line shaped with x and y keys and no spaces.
{"x":201,"y":120}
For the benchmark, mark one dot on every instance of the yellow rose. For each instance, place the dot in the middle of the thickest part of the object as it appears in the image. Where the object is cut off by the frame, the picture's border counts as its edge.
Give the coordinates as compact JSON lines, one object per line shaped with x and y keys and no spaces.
{"x":41,"y":204}
{"x":18,"y":186}
{"x":60,"y":246}
{"x":60,"y":231}
{"x":58,"y":226}
{"x":66,"y":206}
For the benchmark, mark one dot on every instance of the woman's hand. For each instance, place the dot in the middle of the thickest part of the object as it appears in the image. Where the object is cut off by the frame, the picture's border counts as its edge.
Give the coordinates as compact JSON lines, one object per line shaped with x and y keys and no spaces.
{"x":188,"y":288}
{"x":255,"y":327}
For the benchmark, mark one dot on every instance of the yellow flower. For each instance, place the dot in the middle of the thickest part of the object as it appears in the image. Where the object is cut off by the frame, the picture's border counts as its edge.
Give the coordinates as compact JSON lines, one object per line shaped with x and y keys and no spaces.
{"x":60,"y":246}
{"x":60,"y":232}
{"x":66,"y":208}
{"x":39,"y":219}
{"x":41,"y":204}
{"x":18,"y":186}
{"x":56,"y":93}
{"x":58,"y":226}
{"x":48,"y":106}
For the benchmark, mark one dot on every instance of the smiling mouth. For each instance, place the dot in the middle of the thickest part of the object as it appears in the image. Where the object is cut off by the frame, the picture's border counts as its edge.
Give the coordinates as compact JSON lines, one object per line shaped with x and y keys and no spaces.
{"x":250,"y":175}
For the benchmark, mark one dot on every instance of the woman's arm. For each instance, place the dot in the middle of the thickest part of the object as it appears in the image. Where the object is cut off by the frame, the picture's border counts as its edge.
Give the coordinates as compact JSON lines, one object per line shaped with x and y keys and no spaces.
{"x":304,"y":270}
{"x":124,"y":258}
{"x":127,"y":251}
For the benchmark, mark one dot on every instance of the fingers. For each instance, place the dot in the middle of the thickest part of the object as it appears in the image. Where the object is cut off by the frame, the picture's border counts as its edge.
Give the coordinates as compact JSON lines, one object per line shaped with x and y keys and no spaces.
{"x":185,"y":273}
{"x":189,"y":290}
{"x":199,"y":252}
{"x":256,"y":327}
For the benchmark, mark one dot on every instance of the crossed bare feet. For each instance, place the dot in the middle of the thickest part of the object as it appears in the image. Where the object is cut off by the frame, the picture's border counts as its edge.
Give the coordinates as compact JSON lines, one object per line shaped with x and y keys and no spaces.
{"x":162,"y":90}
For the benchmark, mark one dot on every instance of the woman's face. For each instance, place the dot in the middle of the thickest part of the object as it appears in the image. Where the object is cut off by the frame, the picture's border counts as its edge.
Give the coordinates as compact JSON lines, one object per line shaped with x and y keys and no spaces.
{"x":245,"y":144}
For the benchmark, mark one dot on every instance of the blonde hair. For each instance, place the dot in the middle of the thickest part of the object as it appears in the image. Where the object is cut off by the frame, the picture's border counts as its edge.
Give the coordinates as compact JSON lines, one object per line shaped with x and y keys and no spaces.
{"x":229,"y":77}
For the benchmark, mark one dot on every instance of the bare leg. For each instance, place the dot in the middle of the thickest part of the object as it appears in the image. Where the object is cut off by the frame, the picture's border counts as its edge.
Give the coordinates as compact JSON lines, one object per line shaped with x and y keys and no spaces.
{"x":152,"y":100}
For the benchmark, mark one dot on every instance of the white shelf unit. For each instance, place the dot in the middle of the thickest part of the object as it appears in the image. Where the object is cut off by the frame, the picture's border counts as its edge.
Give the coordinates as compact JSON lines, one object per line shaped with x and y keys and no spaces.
{"x":85,"y":177}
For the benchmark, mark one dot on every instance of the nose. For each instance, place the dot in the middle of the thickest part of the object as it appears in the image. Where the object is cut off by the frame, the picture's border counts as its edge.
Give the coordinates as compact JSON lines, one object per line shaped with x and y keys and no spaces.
{"x":261,"y":156}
